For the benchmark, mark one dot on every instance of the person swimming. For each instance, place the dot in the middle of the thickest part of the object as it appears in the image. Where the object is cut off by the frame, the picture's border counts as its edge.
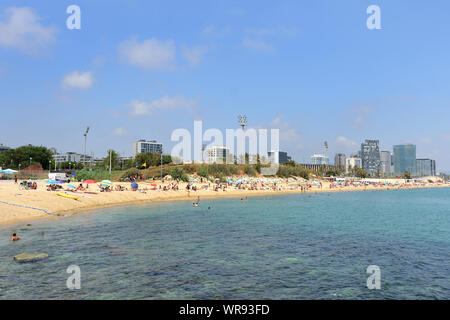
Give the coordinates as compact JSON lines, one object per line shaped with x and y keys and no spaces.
{"x":195,"y":204}
{"x":15,"y":237}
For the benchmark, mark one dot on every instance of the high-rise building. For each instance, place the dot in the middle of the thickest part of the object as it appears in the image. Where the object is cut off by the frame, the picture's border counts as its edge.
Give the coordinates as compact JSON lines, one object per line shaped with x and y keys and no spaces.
{"x":143,"y":146}
{"x":386,"y":163}
{"x":426,"y":167}
{"x":278,"y":156}
{"x":339,"y":160}
{"x":352,"y":162}
{"x":319,"y":159}
{"x":405,"y":159}
{"x":370,"y":156}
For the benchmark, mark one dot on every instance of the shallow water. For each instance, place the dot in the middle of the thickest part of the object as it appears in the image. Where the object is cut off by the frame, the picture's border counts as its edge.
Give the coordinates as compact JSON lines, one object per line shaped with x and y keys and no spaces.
{"x":302,"y":246}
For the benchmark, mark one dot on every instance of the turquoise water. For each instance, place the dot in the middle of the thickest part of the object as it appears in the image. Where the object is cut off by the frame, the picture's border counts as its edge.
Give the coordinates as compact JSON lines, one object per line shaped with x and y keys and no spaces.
{"x":282,"y":247}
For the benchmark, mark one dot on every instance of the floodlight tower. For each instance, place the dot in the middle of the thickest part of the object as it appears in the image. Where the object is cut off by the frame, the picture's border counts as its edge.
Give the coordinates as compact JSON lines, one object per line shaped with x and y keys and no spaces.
{"x":243,"y":123}
{"x":85,"y":139}
{"x":325,"y":144}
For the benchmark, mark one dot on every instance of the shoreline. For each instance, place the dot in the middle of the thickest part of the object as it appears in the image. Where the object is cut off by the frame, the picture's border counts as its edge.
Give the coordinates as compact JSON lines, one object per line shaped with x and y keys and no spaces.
{"x":60,"y":206}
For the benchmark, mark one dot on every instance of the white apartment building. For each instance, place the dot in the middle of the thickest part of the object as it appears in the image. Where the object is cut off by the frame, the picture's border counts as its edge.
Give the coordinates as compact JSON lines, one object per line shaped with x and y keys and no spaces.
{"x":217,"y":154}
{"x":143,"y":146}
{"x":320,"y":159}
{"x":352,"y":162}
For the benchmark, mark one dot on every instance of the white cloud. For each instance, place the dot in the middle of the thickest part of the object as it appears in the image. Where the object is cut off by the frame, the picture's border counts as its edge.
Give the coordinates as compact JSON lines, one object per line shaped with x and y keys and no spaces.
{"x":277,"y":31}
{"x":99,"y":61}
{"x":287,"y":133}
{"x":139,"y":108}
{"x":425,"y":140}
{"x":360,"y":115}
{"x":347,"y":143}
{"x":150,"y":54}
{"x":214,"y":31}
{"x":119,"y":132}
{"x":194,"y":55}
{"x":257,"y":44}
{"x":22,"y":30}
{"x":79,"y":80}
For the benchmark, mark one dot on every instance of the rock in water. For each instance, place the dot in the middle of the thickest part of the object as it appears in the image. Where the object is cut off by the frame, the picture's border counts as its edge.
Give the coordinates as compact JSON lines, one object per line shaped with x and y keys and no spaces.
{"x":30,"y":257}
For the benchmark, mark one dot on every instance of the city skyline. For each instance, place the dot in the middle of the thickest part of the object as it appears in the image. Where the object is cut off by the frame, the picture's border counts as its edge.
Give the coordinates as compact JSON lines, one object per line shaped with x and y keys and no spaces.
{"x":382,"y":168}
{"x":285,"y":67}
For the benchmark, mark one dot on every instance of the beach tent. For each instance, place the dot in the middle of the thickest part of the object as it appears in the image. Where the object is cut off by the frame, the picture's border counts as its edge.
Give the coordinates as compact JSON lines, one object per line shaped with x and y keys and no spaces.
{"x":134,"y":186}
{"x":52,"y":181}
{"x":8,"y":171}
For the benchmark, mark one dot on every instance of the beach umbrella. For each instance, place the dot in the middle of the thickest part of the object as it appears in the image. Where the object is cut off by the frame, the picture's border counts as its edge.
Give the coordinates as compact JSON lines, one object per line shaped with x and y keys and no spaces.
{"x":89,"y":181}
{"x":8,"y":171}
{"x":71,"y":185}
{"x":153,"y":184}
{"x":106,"y":182}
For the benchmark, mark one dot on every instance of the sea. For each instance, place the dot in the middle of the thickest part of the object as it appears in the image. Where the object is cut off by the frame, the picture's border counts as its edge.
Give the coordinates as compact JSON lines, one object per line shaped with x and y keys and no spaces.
{"x":297,"y":246}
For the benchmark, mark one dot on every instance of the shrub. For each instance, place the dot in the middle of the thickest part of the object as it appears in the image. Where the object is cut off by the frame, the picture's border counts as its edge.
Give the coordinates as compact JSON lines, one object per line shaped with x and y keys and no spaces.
{"x":189,"y":168}
{"x":131,"y":172}
{"x":92,"y":175}
{"x":250,"y":170}
{"x":285,"y":171}
{"x":203,"y":171}
{"x":178,"y":173}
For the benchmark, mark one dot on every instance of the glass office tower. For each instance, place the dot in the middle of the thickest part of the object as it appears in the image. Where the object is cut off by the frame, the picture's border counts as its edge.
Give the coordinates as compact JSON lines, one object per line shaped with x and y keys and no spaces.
{"x":405,"y":159}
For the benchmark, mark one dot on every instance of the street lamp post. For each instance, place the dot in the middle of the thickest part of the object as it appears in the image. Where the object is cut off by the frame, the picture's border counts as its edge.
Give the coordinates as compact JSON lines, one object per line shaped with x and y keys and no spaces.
{"x":161,"y":163}
{"x":243,"y":123}
{"x":110,"y":163}
{"x":85,"y":140}
{"x":30,"y":160}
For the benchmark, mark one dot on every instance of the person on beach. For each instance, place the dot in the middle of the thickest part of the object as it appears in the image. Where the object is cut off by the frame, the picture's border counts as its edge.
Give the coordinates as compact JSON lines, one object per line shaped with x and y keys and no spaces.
{"x":15,"y":179}
{"x":15,"y":237}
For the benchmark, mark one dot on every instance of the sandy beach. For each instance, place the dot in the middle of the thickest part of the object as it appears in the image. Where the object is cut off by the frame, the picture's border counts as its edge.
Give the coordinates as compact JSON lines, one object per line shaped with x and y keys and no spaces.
{"x":18,"y":205}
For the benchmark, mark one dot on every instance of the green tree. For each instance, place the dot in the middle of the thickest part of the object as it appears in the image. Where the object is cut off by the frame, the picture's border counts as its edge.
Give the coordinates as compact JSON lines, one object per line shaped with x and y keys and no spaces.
{"x":361,"y":173}
{"x":114,"y":160}
{"x":291,"y":163}
{"x":25,"y":155}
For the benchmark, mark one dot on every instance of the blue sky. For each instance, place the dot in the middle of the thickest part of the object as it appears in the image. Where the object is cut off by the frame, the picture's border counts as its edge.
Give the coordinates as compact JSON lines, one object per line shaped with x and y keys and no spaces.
{"x":140,"y":69}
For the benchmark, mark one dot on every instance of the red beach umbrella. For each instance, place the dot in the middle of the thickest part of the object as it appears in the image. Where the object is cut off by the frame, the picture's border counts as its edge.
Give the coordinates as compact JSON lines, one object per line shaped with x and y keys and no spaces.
{"x":89,"y":181}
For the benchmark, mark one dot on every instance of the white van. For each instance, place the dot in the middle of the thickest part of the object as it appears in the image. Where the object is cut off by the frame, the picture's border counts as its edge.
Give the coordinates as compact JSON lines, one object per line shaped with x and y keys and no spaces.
{"x":59,"y":177}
